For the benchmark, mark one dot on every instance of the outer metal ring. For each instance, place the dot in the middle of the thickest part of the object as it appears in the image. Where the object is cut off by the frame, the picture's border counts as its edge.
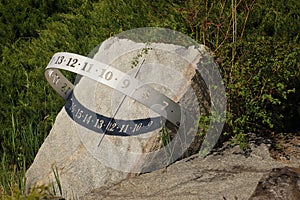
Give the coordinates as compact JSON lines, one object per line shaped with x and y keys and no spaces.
{"x":111,"y":77}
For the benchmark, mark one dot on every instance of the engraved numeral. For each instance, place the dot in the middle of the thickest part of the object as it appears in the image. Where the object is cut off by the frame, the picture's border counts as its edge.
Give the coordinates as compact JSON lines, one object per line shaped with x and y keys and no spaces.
{"x":87,"y":119}
{"x":126,"y":83}
{"x":85,"y":65}
{"x":72,"y":62}
{"x":106,"y":75}
{"x":72,"y":108}
{"x":79,"y":113}
{"x":55,"y":79}
{"x":99,"y":124}
{"x":165,"y":105}
{"x":59,"y":60}
{"x":50,"y":72}
{"x":124,"y":128}
{"x":146,"y":94}
{"x":111,"y":127}
{"x":150,"y":124}
{"x":137,"y":127}
{"x":65,"y":89}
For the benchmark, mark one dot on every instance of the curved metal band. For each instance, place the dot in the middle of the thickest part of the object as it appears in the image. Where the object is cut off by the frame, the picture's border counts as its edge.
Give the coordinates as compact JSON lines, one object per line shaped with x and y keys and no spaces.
{"x":110,"y":126}
{"x":111,"y":77}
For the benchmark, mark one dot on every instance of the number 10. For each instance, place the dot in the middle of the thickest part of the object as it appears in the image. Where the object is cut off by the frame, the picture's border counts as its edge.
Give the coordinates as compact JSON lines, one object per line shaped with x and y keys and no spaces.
{"x":107,"y":75}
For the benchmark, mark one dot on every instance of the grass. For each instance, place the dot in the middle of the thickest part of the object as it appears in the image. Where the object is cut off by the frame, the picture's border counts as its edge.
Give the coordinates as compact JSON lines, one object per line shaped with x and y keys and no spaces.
{"x":19,"y":146}
{"x":13,"y":183}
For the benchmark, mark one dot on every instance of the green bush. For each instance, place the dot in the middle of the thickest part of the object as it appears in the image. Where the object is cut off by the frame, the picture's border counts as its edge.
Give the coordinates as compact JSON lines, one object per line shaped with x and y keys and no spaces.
{"x":263,"y":86}
{"x":256,"y":44}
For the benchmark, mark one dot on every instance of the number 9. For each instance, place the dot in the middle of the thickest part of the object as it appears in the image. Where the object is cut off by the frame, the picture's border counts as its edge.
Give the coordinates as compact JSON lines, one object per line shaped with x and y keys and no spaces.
{"x":126,"y":83}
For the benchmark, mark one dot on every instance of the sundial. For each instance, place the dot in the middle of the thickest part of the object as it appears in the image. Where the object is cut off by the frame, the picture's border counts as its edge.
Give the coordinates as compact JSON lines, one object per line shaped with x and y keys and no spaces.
{"x":136,"y":89}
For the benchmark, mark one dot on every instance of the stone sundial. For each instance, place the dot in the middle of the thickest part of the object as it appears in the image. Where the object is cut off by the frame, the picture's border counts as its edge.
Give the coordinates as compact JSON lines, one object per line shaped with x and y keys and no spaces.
{"x":134,"y":108}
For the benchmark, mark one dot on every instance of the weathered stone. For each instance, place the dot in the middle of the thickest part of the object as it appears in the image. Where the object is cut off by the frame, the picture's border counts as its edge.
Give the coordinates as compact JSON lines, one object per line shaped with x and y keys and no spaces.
{"x":63,"y":151}
{"x":280,"y":183}
{"x":72,"y":150}
{"x":222,"y":175}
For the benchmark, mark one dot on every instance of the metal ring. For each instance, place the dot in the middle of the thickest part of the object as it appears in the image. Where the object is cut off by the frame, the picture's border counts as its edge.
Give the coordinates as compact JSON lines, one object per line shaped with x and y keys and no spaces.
{"x":111,"y":77}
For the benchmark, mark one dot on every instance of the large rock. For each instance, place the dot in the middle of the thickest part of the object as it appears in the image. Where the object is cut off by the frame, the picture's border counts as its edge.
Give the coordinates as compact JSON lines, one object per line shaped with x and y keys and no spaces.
{"x":72,"y":152}
{"x":223,"y":175}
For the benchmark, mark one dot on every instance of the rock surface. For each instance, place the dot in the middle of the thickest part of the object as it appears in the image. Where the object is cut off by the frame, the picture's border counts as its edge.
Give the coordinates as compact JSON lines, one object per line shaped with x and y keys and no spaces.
{"x":63,"y":151}
{"x":223,"y":175}
{"x":280,"y":183}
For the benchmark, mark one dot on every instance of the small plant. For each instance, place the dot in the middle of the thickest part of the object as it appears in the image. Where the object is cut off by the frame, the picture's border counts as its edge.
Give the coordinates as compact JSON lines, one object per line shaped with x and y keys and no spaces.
{"x":58,"y":183}
{"x":135,"y":61}
{"x":240,"y":139}
{"x":165,"y":136}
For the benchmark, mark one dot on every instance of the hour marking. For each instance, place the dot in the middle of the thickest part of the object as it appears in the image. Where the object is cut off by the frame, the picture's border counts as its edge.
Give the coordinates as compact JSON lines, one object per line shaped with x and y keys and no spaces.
{"x":146,"y":94}
{"x":89,"y":68}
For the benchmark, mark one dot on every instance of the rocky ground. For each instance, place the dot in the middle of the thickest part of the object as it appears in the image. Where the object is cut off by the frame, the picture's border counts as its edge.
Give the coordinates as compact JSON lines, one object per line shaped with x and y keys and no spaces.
{"x":270,"y":169}
{"x":286,"y":148}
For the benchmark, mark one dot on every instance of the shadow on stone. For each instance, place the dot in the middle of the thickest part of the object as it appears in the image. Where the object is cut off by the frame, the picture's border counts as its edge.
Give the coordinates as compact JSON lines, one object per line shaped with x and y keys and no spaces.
{"x":280,"y":183}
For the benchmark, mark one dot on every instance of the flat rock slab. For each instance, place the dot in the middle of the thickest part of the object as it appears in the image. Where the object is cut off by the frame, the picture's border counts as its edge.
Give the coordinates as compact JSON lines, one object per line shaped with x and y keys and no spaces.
{"x":222,"y":175}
